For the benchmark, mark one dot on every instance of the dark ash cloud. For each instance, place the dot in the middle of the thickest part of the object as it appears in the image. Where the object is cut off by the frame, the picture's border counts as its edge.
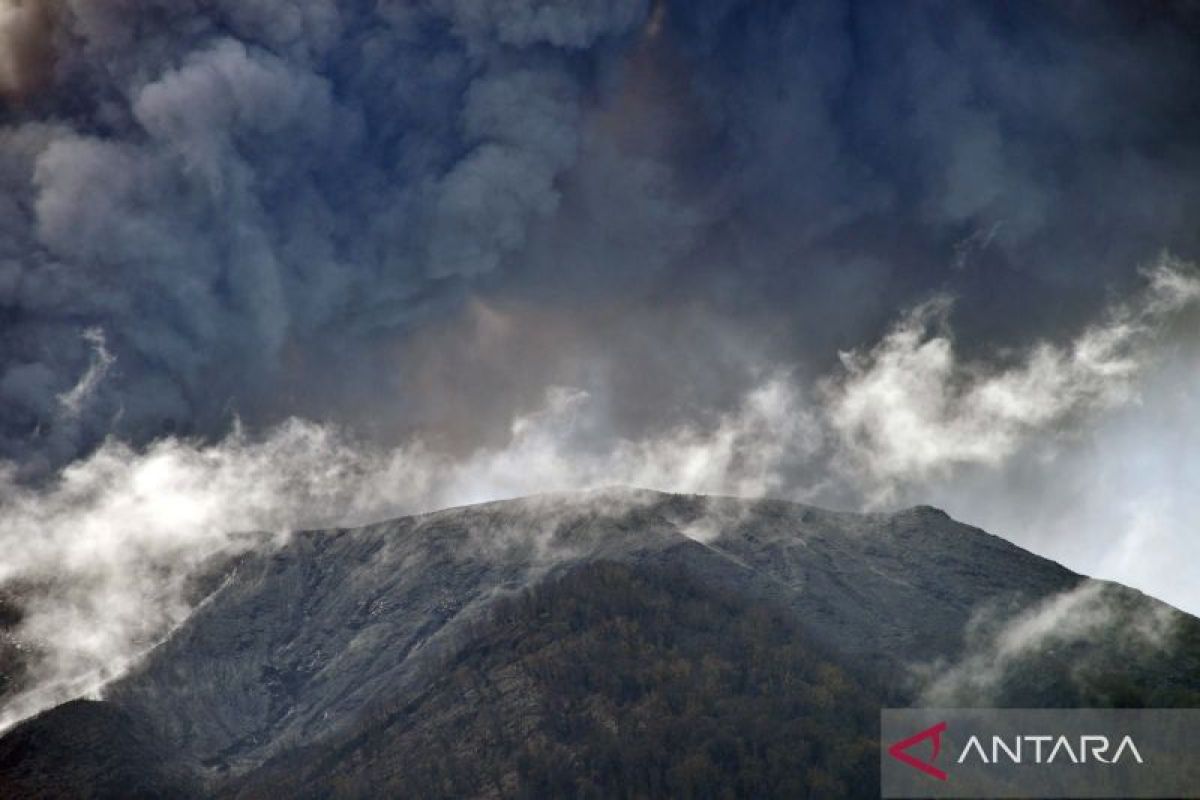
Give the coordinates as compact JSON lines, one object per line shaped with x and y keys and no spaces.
{"x":260,"y":205}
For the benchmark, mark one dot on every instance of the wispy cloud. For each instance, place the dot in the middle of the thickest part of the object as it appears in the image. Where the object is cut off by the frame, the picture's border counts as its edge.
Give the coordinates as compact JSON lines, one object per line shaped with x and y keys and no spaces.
{"x":105,"y":552}
{"x":998,"y":646}
{"x":910,"y":409}
{"x":73,"y":400}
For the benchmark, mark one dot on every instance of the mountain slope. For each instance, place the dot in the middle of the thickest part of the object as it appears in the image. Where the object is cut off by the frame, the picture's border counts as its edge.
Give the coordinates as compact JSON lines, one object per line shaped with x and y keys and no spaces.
{"x":298,"y":642}
{"x":610,"y":680}
{"x":426,"y":647}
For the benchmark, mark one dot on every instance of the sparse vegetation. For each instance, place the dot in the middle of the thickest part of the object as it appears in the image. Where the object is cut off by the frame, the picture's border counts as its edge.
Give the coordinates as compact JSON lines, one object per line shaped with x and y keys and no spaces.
{"x":614,"y":681}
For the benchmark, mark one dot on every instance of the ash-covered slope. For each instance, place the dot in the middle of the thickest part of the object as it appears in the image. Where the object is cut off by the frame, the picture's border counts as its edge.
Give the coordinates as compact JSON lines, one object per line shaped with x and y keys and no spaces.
{"x":334,"y":650}
{"x":299,"y":641}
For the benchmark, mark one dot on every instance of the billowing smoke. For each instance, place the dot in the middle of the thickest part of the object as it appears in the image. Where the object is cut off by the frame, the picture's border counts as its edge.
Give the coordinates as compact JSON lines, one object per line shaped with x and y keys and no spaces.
{"x":238,"y":194}
{"x":267,"y":206}
{"x":286,"y":263}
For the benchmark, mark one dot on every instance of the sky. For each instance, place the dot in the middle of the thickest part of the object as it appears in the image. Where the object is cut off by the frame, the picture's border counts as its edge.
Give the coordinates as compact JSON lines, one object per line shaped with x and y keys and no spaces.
{"x":268,"y":264}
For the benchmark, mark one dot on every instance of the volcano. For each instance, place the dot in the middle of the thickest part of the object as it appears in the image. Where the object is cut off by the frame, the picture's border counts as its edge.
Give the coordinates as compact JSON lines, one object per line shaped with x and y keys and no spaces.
{"x":616,"y":643}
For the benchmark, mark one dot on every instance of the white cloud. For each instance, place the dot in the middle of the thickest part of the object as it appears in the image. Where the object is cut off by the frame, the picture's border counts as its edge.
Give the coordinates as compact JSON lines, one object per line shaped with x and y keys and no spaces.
{"x":997,"y":645}
{"x":909,"y":410}
{"x":73,"y":401}
{"x":113,"y":541}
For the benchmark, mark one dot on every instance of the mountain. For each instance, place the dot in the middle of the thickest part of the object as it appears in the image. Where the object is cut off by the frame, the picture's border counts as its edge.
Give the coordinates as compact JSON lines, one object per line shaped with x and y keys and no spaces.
{"x":616,"y":643}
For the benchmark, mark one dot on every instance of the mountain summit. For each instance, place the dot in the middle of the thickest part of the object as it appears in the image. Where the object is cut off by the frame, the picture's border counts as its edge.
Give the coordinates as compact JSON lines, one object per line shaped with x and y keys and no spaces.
{"x":609,"y":643}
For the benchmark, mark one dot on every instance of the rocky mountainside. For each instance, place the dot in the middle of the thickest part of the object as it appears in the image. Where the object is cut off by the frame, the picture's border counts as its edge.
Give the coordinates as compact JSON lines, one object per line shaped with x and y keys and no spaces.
{"x":616,"y":643}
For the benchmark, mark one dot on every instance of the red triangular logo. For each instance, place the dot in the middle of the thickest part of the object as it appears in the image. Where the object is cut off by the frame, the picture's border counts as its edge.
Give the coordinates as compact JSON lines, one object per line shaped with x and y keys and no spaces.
{"x":896,"y":751}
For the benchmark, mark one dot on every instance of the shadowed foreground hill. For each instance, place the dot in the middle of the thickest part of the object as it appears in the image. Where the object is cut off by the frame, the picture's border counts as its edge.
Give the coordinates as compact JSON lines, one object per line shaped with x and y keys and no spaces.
{"x":89,"y":749}
{"x":612,"y":644}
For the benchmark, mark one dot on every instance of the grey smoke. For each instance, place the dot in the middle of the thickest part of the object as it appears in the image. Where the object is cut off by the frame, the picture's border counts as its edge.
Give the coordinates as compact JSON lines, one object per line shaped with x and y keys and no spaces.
{"x":264,"y":205}
{"x":226,"y":191}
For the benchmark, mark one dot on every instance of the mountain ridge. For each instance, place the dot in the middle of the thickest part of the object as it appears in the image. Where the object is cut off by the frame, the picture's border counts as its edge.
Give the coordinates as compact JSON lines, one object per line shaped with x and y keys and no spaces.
{"x":297,"y":648}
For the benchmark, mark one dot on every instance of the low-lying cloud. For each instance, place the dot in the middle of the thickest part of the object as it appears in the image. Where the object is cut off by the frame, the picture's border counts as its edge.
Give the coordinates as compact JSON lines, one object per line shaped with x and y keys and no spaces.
{"x":103,"y":556}
{"x":999,"y":646}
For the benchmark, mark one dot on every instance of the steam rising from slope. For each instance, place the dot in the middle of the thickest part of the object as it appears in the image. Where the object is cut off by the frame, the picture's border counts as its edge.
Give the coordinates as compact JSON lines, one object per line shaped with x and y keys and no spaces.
{"x":105,"y":551}
{"x":996,"y":647}
{"x":104,"y":555}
